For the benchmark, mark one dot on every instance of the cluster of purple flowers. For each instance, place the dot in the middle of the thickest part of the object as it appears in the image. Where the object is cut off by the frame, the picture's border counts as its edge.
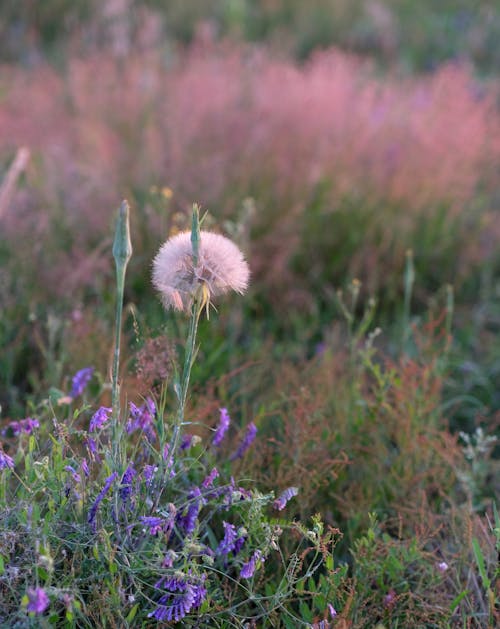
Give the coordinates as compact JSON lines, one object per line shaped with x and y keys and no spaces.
{"x":38,"y":601}
{"x":248,"y":569}
{"x":6,"y":461}
{"x":93,"y":509}
{"x":232,"y":542}
{"x":283,"y":498}
{"x":183,"y":594}
{"x":157,"y":524}
{"x":209,"y":479}
{"x":248,"y":439}
{"x":142,"y":418}
{"x":23,"y":425}
{"x":222,"y":427}
{"x":126,"y":485}
{"x":99,"y":418}
{"x":80,"y":381}
{"x":187,"y":520}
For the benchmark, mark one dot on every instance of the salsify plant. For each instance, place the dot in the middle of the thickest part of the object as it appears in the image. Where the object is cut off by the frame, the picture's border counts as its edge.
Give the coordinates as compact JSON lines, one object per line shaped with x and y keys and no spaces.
{"x":115,"y":516}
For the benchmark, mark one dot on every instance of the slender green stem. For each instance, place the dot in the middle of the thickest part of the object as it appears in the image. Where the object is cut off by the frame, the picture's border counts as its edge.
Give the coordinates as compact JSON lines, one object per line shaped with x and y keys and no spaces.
{"x":409,"y":280}
{"x":122,"y":251}
{"x":189,"y":357}
{"x":190,"y":351}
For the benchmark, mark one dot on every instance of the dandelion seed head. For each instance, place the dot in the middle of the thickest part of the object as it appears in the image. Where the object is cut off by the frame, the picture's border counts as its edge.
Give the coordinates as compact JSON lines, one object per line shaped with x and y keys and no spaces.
{"x":221,"y":267}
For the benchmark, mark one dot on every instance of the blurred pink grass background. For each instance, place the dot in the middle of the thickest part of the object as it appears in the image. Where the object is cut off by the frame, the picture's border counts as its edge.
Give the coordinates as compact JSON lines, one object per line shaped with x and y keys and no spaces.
{"x":221,"y":122}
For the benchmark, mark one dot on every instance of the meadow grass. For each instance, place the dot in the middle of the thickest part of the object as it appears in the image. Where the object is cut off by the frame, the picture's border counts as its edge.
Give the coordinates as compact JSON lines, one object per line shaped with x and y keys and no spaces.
{"x":322,"y":452}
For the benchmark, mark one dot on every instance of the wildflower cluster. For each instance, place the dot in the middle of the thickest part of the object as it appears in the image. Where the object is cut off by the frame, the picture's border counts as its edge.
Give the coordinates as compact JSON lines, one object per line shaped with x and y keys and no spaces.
{"x":122,"y":492}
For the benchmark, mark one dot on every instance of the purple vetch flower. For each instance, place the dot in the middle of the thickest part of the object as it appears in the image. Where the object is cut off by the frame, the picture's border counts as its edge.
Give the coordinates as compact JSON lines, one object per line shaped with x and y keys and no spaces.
{"x":23,"y":425}
{"x":154,"y":523}
{"x":187,"y":442}
{"x":248,"y":569}
{"x":148,"y":472}
{"x":76,"y":476}
{"x":6,"y":461}
{"x":127,"y":482}
{"x":283,"y":498}
{"x":208,"y":481}
{"x":183,"y":595}
{"x":91,"y":445}
{"x":233,"y":540}
{"x":224,"y":422}
{"x":80,"y":381}
{"x":226,"y":545}
{"x":187,"y":521}
{"x":99,"y":418}
{"x":238,"y":544}
{"x":332,"y":610}
{"x":38,"y":601}
{"x":93,"y":509}
{"x":169,"y":559}
{"x":142,"y":418}
{"x":442,"y":567}
{"x":85,"y":467}
{"x":169,"y":460}
{"x":250,"y":434}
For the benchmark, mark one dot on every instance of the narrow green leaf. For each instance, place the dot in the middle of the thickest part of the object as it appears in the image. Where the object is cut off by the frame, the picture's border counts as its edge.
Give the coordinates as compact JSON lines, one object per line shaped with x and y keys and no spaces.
{"x":457,"y":599}
{"x":481,"y":566}
{"x":131,"y":615}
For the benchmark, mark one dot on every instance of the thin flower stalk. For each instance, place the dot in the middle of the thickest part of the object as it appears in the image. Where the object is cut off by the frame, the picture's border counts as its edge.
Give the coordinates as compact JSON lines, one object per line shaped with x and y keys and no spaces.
{"x":122,"y":251}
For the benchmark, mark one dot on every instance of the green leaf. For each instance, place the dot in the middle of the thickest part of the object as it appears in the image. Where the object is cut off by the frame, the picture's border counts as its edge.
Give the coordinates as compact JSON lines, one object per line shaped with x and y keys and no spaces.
{"x":2,"y":566}
{"x":457,"y":599}
{"x":305,"y":612}
{"x":478,"y":554}
{"x":289,"y":622}
{"x":131,"y":615}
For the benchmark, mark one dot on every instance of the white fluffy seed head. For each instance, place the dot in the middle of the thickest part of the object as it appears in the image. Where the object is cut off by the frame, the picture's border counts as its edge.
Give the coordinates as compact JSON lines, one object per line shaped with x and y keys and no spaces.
{"x":221,"y":267}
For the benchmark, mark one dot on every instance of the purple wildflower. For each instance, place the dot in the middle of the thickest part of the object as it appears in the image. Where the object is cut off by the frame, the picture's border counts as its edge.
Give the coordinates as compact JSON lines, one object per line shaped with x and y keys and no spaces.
{"x":332,"y":610}
{"x":169,"y":459}
{"x":187,"y":442}
{"x":155,"y":524}
{"x":93,"y":509}
{"x":126,"y":484}
{"x":442,"y":567}
{"x":80,"y":381}
{"x":246,"y":443}
{"x":85,"y":468}
{"x":148,"y":473}
{"x":248,"y":568}
{"x":23,"y":425}
{"x":183,"y":595}
{"x":91,"y":446}
{"x":38,"y":601}
{"x":168,"y":560}
{"x":238,"y":544}
{"x":76,"y":477}
{"x":224,"y":422}
{"x":280,"y":502}
{"x":99,"y":418}
{"x":188,"y":520}
{"x":141,"y":418}
{"x":208,"y":481}
{"x":226,"y":545}
{"x":6,"y":461}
